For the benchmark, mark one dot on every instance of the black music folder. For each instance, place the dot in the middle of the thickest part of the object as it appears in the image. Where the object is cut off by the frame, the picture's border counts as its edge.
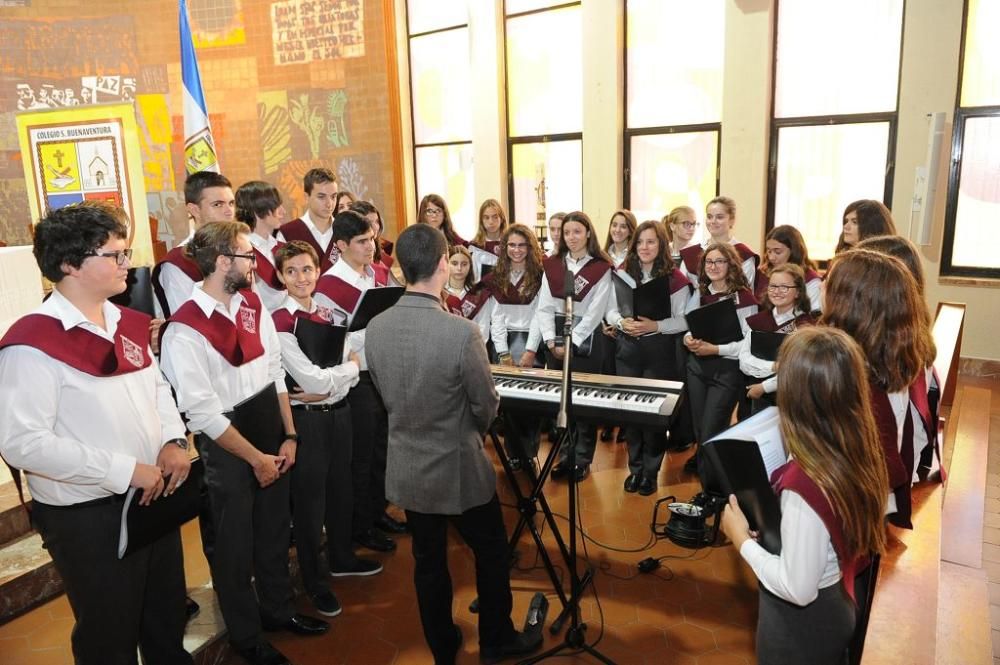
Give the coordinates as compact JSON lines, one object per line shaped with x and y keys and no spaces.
{"x":716,"y":323}
{"x":142,"y":525}
{"x":374,"y":302}
{"x":765,"y":345}
{"x":258,"y":419}
{"x":138,"y":293}
{"x":321,"y":343}
{"x":650,"y":300}
{"x":740,"y":461}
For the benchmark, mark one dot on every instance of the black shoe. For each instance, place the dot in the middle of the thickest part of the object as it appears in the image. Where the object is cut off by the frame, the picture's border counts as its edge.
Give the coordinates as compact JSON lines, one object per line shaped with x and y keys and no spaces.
{"x":560,"y":470}
{"x":631,"y":483}
{"x":607,"y":434}
{"x":459,"y":640}
{"x":647,"y":486}
{"x":389,"y":524}
{"x":691,"y":465}
{"x":357,"y":568}
{"x":522,"y":644}
{"x":263,"y":654}
{"x":326,"y":603}
{"x":300,"y":624}
{"x":191,"y":608}
{"x":582,"y":471}
{"x":373,"y":540}
{"x":621,"y":435}
{"x":515,"y":463}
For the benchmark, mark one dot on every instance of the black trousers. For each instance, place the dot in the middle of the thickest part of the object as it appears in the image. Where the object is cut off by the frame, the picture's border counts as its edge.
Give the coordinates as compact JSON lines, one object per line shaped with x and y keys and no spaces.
{"x":483,"y":530}
{"x":648,"y":357}
{"x":521,"y":430}
{"x":117,"y":604}
{"x":818,"y":633}
{"x":714,"y":385}
{"x":370,"y":443}
{"x":252,"y":528}
{"x":322,"y":492}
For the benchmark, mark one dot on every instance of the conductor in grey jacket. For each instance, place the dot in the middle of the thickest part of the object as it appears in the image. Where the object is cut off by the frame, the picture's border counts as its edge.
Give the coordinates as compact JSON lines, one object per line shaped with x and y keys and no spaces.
{"x":431,"y":369}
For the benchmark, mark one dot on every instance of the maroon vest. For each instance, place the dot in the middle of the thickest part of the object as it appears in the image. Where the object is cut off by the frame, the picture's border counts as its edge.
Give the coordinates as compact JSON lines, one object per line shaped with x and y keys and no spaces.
{"x":743,"y":298}
{"x":764,"y":322}
{"x":790,"y":476}
{"x":589,"y":275}
{"x":470,"y":304}
{"x":492,"y":246}
{"x":266,"y":271}
{"x":345,"y":295}
{"x":898,"y":460}
{"x":297,"y":230}
{"x":83,"y":350}
{"x":510,"y":294}
{"x":174,"y":257}
{"x":284,"y":321}
{"x":239,"y":348}
{"x":920,"y":399}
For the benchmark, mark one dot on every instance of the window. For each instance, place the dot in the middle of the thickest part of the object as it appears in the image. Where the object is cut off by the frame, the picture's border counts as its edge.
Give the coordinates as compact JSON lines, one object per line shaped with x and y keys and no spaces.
{"x":972,"y":217}
{"x":544,"y":109}
{"x":673,"y":104}
{"x":442,"y":114}
{"x":835,"y":107}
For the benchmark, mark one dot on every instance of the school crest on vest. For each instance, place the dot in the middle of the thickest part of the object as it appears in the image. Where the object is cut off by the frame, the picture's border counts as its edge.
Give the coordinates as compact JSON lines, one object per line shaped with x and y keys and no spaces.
{"x":132,"y":352}
{"x":324,"y":313}
{"x":468,"y":308}
{"x":580,"y":283}
{"x":248,"y":320}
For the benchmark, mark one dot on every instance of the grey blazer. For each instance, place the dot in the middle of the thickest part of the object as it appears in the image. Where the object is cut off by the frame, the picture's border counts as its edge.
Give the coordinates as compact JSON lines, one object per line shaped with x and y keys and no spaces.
{"x":432,"y":371}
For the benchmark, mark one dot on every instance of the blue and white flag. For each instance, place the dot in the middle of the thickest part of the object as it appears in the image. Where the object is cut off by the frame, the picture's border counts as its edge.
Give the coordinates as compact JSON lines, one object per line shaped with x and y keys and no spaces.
{"x":199,"y":147}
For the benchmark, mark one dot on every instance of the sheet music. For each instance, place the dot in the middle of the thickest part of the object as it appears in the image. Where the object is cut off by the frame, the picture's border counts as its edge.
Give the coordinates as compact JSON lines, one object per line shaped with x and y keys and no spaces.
{"x":764,"y":430}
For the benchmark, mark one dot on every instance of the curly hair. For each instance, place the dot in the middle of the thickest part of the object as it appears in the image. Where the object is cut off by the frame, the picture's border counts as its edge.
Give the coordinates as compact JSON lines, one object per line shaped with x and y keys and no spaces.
{"x":71,"y":234}
{"x":662,"y":264}
{"x":532,"y":279}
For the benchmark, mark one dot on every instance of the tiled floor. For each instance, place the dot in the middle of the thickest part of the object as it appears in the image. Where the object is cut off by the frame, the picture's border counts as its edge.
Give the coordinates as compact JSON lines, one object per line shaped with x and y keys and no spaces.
{"x":698,"y":608}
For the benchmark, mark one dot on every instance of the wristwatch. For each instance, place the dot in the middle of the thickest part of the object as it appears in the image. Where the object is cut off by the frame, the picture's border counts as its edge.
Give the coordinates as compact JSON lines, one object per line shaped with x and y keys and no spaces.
{"x":181,"y":443}
{"x":291,"y":437}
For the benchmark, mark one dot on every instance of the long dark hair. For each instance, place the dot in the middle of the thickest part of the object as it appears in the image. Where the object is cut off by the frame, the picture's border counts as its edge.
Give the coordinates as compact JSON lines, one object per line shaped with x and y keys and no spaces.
{"x":446,"y":227}
{"x":593,"y":248}
{"x":790,"y":237}
{"x":629,"y":219}
{"x":532,"y":279}
{"x":662,"y":264}
{"x":874,"y":219}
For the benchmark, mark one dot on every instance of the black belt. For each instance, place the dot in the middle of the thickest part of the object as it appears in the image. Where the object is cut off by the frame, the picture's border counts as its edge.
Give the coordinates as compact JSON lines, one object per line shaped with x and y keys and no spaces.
{"x":320,"y":407}
{"x":104,"y":500}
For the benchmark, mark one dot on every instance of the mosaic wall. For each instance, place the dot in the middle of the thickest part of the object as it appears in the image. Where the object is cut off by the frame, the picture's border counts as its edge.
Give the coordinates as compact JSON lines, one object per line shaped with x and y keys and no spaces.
{"x":290,"y":84}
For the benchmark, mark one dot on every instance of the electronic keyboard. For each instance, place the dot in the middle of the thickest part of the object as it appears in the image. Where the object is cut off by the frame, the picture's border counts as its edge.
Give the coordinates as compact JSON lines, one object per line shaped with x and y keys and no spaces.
{"x":618,"y":399}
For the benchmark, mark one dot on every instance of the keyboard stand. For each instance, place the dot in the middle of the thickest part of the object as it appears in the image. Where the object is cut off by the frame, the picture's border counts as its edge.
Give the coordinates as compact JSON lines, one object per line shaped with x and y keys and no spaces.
{"x":527,"y":505}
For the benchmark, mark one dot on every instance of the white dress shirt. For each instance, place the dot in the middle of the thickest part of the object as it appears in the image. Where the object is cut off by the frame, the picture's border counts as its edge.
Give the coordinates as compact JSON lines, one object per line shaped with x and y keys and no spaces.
{"x":521,"y":318}
{"x":732,"y":349}
{"x":759,"y":368}
{"x":591,"y":309}
{"x":807,"y":562}
{"x":617,"y":258}
{"x":333,"y":381}
{"x":271,"y":297}
{"x":356,"y":339}
{"x":175,"y":283}
{"x":78,"y":437}
{"x":669,"y":326}
{"x":207,"y":385}
{"x":814,"y":289}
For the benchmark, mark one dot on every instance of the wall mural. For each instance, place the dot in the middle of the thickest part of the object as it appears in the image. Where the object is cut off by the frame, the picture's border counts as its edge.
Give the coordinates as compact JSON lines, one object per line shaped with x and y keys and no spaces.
{"x":216,"y":23}
{"x":308,"y":30}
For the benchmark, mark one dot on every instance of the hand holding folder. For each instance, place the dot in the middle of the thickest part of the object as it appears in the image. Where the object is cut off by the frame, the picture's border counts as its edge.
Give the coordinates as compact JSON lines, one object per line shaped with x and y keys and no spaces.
{"x":716,"y":323}
{"x":373,"y":302}
{"x":142,"y":525}
{"x":650,"y":300}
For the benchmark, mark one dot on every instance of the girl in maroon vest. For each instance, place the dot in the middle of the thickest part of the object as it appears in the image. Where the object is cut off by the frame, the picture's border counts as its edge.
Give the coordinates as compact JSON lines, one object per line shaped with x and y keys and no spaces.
{"x":621,"y":230}
{"x":714,"y":380}
{"x":486,"y":246}
{"x":720,"y":217}
{"x":383,"y":248}
{"x":343,"y":201}
{"x":833,"y":499}
{"x":645,"y":348}
{"x":783,"y":245}
{"x":515,"y":283}
{"x":874,"y":298}
{"x":925,"y":391}
{"x":785,"y":308}
{"x":863,"y":219}
{"x":462,"y":296}
{"x":434,"y":211}
{"x":680,"y":224}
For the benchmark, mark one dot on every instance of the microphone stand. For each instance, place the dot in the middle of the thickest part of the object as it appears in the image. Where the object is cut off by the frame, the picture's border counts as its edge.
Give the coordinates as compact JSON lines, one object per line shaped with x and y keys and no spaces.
{"x":575,"y":639}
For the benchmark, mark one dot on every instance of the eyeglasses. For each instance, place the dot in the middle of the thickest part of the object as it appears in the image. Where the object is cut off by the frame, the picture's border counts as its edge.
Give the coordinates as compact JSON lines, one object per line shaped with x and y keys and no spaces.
{"x":716,"y":262}
{"x":516,"y":245}
{"x":688,"y":225}
{"x":251,"y":257}
{"x":780,"y":288}
{"x":431,"y":212}
{"x":120,"y":256}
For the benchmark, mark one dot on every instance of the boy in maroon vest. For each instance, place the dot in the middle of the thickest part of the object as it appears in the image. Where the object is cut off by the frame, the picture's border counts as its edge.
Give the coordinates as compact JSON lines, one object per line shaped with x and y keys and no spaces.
{"x":208,"y":197}
{"x":315,"y":225}
{"x":340,"y":290}
{"x":86,"y":414}
{"x":220,"y":349}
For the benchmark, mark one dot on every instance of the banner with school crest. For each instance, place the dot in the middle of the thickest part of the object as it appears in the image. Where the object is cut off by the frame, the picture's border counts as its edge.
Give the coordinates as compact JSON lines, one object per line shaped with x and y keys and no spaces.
{"x":87,"y":152}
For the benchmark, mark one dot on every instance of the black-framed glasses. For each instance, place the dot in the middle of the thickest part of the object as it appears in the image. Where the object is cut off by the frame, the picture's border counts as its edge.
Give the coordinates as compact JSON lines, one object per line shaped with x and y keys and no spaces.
{"x":120,"y":256}
{"x":780,"y":288}
{"x":433,"y":212}
{"x":717,"y":262}
{"x":517,"y":245}
{"x":251,"y":257}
